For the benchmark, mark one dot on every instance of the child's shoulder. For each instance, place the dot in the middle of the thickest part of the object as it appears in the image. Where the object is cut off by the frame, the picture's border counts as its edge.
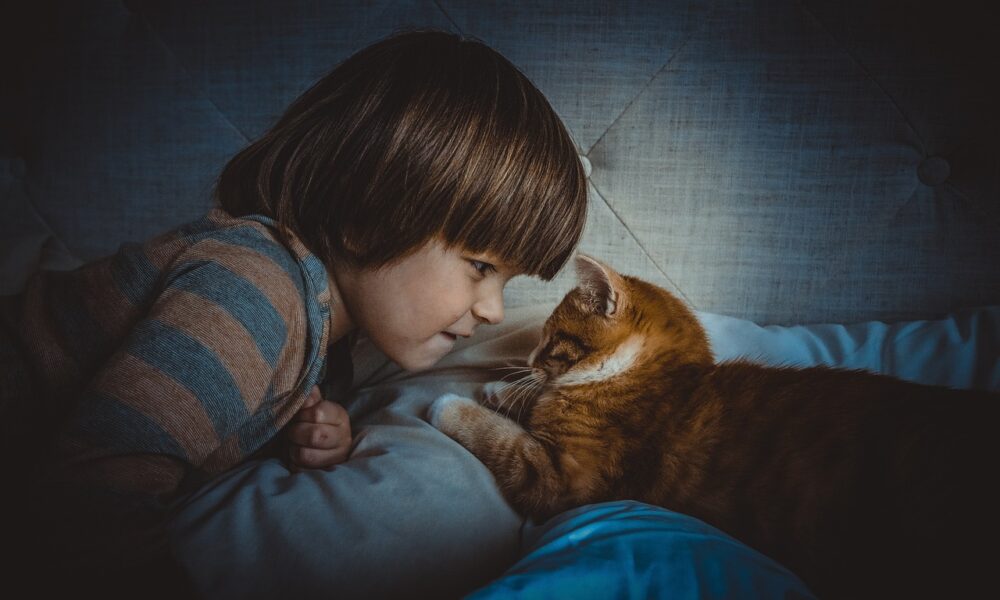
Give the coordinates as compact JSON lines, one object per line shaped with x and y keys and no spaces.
{"x":252,"y":232}
{"x":219,"y":234}
{"x":247,"y":250}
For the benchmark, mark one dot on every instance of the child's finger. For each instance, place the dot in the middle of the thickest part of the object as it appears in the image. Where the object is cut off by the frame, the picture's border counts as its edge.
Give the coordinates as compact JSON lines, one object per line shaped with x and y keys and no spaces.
{"x":323,"y":412}
{"x":314,"y":458}
{"x":312,"y":399}
{"x":324,"y":437}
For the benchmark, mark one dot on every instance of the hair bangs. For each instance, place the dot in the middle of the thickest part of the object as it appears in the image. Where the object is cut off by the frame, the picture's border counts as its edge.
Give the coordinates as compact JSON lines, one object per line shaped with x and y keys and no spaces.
{"x":519,"y":191}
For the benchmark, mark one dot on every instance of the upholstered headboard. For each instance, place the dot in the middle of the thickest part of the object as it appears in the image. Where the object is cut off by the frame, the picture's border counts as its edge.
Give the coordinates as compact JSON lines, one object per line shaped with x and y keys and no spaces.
{"x":776,"y":160}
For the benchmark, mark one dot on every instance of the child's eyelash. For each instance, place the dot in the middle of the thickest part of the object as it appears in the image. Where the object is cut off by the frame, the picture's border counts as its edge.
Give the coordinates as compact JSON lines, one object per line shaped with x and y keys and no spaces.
{"x":482,"y":267}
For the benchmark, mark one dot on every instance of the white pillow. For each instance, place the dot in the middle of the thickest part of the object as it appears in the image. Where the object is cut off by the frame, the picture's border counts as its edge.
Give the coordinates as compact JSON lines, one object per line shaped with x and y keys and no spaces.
{"x":960,"y":350}
{"x":412,"y":513}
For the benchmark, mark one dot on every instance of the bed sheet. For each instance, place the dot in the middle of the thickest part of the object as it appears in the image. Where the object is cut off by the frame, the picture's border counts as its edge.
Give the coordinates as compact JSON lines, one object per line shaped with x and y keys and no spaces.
{"x":412,"y":513}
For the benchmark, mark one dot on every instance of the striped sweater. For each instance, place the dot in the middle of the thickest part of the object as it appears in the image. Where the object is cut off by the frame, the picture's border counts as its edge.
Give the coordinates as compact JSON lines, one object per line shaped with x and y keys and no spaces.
{"x":175,"y":358}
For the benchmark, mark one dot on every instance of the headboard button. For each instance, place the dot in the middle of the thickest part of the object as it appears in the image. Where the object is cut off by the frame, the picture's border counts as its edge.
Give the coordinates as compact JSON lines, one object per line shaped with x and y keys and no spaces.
{"x":933,"y":170}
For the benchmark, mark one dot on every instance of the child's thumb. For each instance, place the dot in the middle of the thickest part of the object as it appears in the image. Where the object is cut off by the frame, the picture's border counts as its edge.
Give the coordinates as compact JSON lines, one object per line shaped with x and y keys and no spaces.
{"x":314,"y":397}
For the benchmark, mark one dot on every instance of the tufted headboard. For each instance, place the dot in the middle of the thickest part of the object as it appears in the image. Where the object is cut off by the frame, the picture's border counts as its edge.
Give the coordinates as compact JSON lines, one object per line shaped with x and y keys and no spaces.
{"x":777,"y":160}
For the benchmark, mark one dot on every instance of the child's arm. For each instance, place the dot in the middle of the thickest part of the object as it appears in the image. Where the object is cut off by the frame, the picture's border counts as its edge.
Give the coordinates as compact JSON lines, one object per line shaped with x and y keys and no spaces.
{"x":198,"y":383}
{"x":319,"y":435}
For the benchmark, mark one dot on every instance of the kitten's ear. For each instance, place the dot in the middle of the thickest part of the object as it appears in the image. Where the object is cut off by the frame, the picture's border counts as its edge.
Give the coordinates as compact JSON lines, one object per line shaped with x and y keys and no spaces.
{"x":596,"y":285}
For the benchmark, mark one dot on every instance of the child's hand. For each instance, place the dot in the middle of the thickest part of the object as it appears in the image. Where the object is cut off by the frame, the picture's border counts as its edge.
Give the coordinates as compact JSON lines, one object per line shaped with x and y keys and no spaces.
{"x":319,"y":434}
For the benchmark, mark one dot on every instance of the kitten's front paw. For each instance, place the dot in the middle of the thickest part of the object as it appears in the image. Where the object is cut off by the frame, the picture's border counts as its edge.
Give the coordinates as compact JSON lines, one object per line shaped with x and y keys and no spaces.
{"x":490,"y":394}
{"x":444,"y":412}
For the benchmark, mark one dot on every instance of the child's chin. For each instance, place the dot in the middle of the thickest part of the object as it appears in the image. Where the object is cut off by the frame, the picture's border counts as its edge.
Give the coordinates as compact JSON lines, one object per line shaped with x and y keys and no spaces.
{"x":418,"y":363}
{"x":416,"y":368}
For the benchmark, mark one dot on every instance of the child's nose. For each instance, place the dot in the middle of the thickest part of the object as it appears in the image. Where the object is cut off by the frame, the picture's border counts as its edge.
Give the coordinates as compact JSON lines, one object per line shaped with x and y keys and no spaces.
{"x":490,"y":307}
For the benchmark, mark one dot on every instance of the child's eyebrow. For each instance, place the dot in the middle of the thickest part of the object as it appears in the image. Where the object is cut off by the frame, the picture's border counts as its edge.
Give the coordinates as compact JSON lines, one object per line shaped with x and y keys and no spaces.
{"x":510,"y":270}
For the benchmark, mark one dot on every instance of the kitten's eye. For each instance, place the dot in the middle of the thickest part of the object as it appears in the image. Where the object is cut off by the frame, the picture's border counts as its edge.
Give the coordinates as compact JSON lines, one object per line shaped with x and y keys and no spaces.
{"x":561,"y":358}
{"x":483,"y":268}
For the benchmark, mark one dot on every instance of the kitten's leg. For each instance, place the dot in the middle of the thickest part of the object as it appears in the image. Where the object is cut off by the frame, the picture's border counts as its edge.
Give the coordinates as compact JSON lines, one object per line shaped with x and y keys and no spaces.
{"x":522,"y":465}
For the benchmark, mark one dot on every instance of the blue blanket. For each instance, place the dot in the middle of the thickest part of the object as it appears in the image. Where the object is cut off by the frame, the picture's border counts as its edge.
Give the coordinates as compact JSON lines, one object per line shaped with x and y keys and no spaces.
{"x":633,"y":550}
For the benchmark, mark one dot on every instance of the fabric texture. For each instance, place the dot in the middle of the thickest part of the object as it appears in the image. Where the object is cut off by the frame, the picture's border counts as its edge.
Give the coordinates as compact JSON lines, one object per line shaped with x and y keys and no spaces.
{"x":632,"y":550}
{"x":960,"y":350}
{"x":413,"y":514}
{"x":174,"y":360}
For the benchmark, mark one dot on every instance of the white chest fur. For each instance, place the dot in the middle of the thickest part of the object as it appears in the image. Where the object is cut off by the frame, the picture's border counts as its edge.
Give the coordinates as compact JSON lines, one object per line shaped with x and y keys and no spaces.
{"x":623,"y":358}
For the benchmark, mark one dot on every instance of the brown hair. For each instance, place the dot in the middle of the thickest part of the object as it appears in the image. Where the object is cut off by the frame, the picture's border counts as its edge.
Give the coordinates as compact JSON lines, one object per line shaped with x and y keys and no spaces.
{"x":422,"y":134}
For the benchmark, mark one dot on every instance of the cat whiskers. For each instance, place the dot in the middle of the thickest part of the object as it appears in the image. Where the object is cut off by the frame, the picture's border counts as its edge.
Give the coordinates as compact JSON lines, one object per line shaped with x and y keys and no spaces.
{"x":515,"y":368}
{"x":520,"y":371}
{"x":503,"y":385}
{"x":536,"y":381}
{"x":505,"y":398}
{"x":522,"y":390}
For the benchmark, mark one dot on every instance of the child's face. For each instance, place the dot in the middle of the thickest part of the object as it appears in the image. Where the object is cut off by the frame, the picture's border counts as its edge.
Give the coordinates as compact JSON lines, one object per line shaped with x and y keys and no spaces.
{"x":413,"y":310}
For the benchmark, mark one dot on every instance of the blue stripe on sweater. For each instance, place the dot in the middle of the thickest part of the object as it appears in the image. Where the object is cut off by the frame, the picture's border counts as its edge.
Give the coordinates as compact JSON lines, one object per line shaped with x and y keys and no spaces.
{"x":248,"y":236}
{"x":314,"y":266}
{"x":120,"y":429}
{"x":191,"y":364}
{"x":241,"y":299}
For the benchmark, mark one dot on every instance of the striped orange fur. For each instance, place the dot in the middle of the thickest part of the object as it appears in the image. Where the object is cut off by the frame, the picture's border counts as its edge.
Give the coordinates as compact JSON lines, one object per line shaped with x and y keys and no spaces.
{"x":862,"y":484}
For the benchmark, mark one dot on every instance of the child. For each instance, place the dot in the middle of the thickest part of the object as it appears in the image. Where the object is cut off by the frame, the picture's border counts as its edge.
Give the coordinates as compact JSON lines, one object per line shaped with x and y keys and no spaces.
{"x":395,"y":197}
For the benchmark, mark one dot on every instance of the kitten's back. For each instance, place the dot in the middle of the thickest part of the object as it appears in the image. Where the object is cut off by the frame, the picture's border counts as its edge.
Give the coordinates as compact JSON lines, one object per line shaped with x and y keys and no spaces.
{"x":863,"y":484}
{"x":843,"y":476}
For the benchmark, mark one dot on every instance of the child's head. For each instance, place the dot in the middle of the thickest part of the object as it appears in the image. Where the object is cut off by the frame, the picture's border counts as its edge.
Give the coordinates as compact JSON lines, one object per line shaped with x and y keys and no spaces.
{"x":421,"y":136}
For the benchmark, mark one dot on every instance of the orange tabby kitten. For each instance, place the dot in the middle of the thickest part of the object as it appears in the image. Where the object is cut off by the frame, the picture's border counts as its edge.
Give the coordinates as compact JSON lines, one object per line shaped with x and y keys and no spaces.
{"x":863,"y":485}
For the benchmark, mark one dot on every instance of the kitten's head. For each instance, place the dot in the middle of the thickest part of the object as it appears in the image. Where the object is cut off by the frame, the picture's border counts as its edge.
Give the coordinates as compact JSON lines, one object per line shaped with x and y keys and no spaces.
{"x":612,"y":325}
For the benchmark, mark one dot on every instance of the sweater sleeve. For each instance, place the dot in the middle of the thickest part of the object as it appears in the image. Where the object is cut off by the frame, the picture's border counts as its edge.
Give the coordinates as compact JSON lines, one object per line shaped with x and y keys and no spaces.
{"x":192,"y":373}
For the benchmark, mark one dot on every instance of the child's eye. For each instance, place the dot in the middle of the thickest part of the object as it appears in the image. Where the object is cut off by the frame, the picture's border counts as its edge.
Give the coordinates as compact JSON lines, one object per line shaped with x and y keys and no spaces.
{"x":483,"y":268}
